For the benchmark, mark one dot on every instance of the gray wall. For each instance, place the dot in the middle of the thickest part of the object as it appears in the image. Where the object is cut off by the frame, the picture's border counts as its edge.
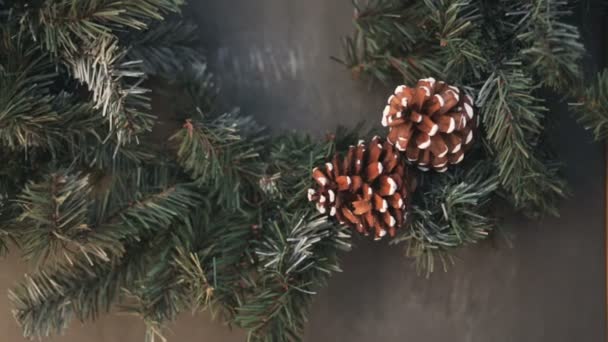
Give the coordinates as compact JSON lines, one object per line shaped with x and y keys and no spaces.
{"x":273,"y":57}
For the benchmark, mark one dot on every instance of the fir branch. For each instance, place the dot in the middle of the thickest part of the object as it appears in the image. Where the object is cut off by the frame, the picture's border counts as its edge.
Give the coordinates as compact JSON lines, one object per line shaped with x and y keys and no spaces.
{"x":82,"y":35}
{"x":297,"y":254}
{"x":47,"y":301}
{"x":291,"y":159}
{"x":15,"y":173}
{"x":457,"y":29}
{"x":512,"y":119}
{"x":552,"y":48}
{"x":85,"y":139}
{"x":151,"y":213}
{"x":391,"y":36}
{"x":183,"y":286}
{"x":417,"y":39}
{"x":54,"y":216}
{"x":167,"y":49}
{"x":205,"y":270}
{"x":217,"y":153}
{"x":115,"y":87}
{"x":25,"y":100}
{"x":592,"y":108}
{"x":89,"y":284}
{"x":65,"y":215}
{"x":450,"y":211}
{"x":64,"y":25}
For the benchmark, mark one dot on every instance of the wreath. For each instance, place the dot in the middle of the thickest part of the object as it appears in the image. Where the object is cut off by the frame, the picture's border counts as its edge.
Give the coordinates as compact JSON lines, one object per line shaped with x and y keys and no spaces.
{"x":219,"y":214}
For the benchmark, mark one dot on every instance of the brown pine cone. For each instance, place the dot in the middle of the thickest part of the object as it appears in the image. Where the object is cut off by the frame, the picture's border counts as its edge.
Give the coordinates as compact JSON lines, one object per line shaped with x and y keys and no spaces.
{"x":432,"y":123}
{"x":368,"y":190}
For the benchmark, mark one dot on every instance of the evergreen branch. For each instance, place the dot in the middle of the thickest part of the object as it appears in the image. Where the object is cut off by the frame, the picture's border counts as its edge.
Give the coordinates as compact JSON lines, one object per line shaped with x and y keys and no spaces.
{"x":47,"y":301}
{"x":450,"y":212}
{"x":81,"y":34}
{"x":25,"y":100}
{"x":552,"y":47}
{"x":292,"y":156}
{"x":61,"y":216}
{"x":417,"y":39}
{"x":219,"y":154}
{"x":457,"y":29}
{"x":114,"y":86}
{"x":391,"y":36}
{"x":54,"y":216}
{"x":166,"y":49}
{"x":592,"y":110}
{"x":296,"y":254}
{"x":150,"y":214}
{"x":291,"y":159}
{"x":85,"y":137}
{"x":89,"y":284}
{"x":205,"y":270}
{"x":184,"y":286}
{"x":13,"y":176}
{"x":512,"y":119}
{"x":65,"y":25}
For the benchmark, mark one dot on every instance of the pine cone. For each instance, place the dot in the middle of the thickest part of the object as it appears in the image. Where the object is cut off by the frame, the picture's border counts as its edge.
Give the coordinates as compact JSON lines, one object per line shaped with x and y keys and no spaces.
{"x":368,"y":190}
{"x":432,"y":123}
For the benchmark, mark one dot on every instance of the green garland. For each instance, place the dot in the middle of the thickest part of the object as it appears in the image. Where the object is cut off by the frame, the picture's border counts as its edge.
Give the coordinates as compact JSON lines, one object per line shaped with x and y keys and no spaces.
{"x":215,"y":216}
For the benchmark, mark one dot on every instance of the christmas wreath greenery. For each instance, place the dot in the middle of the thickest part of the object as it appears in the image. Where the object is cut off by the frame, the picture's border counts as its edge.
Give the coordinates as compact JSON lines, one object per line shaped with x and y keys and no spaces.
{"x":216,"y":214}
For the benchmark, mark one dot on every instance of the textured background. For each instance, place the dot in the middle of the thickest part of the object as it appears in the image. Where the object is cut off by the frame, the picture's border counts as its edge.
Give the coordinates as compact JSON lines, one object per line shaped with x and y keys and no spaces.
{"x":273,"y":58}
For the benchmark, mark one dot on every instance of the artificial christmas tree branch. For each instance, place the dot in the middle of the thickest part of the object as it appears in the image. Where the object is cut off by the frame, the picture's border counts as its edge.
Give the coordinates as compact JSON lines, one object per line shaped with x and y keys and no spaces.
{"x":291,"y":157}
{"x":115,"y":87}
{"x":216,"y":152}
{"x":166,"y":49}
{"x":552,"y":48}
{"x":513,"y":121}
{"x":46,"y":302}
{"x":54,"y":215}
{"x":206,"y":269}
{"x":592,"y":107}
{"x":452,"y":211}
{"x":26,"y":102}
{"x":62,"y":25}
{"x":56,"y":218}
{"x":297,"y":255}
{"x":81,"y":35}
